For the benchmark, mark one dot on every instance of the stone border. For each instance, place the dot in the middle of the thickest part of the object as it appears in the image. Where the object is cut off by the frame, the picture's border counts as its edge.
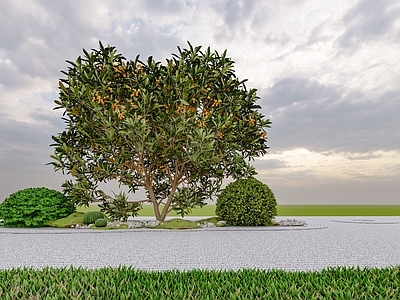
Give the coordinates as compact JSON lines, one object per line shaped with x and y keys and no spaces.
{"x":89,"y":231}
{"x":266,"y":228}
{"x":365,"y":221}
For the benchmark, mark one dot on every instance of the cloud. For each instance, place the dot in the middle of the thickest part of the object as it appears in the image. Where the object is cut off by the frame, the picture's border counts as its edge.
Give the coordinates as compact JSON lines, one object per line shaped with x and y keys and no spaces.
{"x":24,"y":147}
{"x":370,"y":20}
{"x":145,"y":40}
{"x":302,"y":167}
{"x":267,"y":163}
{"x":41,"y":45}
{"x":236,"y":16}
{"x":364,"y":156}
{"x":319,"y":117}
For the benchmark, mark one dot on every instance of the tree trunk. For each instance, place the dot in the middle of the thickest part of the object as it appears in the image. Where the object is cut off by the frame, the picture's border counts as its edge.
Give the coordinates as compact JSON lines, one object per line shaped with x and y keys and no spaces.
{"x":169,"y":201}
{"x":156,"y":206}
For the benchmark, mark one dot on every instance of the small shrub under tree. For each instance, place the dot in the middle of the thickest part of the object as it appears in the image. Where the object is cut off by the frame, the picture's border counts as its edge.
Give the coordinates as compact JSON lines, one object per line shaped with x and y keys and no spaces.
{"x":246,"y":202}
{"x":33,"y":207}
{"x":119,"y":208}
{"x":100,"y":223}
{"x":92,"y":216}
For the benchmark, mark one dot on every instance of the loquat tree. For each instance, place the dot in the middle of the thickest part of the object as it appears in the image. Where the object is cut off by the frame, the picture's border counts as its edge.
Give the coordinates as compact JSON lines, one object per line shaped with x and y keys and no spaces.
{"x":175,"y":129}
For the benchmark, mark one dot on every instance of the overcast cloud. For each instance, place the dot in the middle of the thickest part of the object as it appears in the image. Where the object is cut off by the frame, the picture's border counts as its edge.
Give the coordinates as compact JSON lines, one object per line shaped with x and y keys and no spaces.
{"x":327,"y":73}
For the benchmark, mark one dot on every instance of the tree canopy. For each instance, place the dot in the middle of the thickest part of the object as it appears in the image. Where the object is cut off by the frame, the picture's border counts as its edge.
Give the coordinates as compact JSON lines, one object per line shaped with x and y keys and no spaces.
{"x":175,"y":129}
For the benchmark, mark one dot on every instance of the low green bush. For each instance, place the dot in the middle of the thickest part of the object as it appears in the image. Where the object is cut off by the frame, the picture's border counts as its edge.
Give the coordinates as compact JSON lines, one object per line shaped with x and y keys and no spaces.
{"x":128,"y":283}
{"x":33,"y":207}
{"x":91,"y":216}
{"x":100,"y":223}
{"x":246,"y":202}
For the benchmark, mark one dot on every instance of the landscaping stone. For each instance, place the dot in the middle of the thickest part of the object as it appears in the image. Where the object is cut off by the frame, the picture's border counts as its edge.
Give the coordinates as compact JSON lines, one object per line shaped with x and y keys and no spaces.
{"x":367,"y":221}
{"x":134,"y":224}
{"x":291,"y":222}
{"x":206,"y":225}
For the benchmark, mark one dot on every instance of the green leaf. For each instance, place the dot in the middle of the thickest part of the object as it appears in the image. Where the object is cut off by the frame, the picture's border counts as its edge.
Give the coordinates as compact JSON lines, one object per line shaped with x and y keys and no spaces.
{"x":183,"y":101}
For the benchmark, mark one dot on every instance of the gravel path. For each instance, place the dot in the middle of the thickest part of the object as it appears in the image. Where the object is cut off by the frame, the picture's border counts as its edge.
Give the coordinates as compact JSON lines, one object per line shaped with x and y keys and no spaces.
{"x":372,"y":244}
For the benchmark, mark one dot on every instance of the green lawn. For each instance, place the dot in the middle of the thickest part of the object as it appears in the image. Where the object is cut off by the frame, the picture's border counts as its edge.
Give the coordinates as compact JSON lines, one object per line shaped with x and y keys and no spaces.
{"x":208,"y":210}
{"x":292,"y":210}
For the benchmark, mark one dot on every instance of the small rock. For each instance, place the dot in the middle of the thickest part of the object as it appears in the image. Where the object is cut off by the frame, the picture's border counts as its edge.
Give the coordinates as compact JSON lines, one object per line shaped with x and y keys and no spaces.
{"x":152,"y":223}
{"x":207,"y":225}
{"x":291,"y":222}
{"x":221,"y":223}
{"x":134,"y":224}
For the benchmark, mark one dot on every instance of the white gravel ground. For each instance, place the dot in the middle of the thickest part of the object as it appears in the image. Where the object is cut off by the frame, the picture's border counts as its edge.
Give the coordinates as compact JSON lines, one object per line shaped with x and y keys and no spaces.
{"x":364,"y":244}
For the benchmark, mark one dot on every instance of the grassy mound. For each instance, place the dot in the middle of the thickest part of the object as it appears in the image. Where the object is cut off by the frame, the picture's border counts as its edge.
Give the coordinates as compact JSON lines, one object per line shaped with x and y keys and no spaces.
{"x":177,"y":224}
{"x":72,"y":219}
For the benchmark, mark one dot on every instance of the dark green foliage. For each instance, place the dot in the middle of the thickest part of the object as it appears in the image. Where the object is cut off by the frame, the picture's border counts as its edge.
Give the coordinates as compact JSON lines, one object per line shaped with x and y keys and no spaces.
{"x":100,"y":223}
{"x":246,"y":202}
{"x":33,"y":207}
{"x":127,"y":283}
{"x":91,"y":216}
{"x":119,"y":208}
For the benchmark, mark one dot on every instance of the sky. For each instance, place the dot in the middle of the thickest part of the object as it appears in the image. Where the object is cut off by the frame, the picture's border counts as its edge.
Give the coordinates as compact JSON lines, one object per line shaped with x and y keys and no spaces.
{"x":327,"y":74}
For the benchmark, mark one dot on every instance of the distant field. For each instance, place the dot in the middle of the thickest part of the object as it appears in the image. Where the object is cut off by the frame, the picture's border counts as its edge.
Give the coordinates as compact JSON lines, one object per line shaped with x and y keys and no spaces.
{"x":339,"y":210}
{"x":292,"y":210}
{"x":208,"y":210}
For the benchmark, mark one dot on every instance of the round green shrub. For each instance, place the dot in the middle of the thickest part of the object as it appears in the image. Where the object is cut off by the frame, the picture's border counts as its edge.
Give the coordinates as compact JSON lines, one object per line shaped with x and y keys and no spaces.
{"x":33,"y":207}
{"x":100,"y":223}
{"x":246,"y":202}
{"x":91,"y":216}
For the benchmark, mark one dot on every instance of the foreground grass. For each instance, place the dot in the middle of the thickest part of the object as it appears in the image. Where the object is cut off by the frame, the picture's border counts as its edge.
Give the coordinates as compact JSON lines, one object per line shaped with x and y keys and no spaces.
{"x":127,"y":283}
{"x":290,"y":210}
